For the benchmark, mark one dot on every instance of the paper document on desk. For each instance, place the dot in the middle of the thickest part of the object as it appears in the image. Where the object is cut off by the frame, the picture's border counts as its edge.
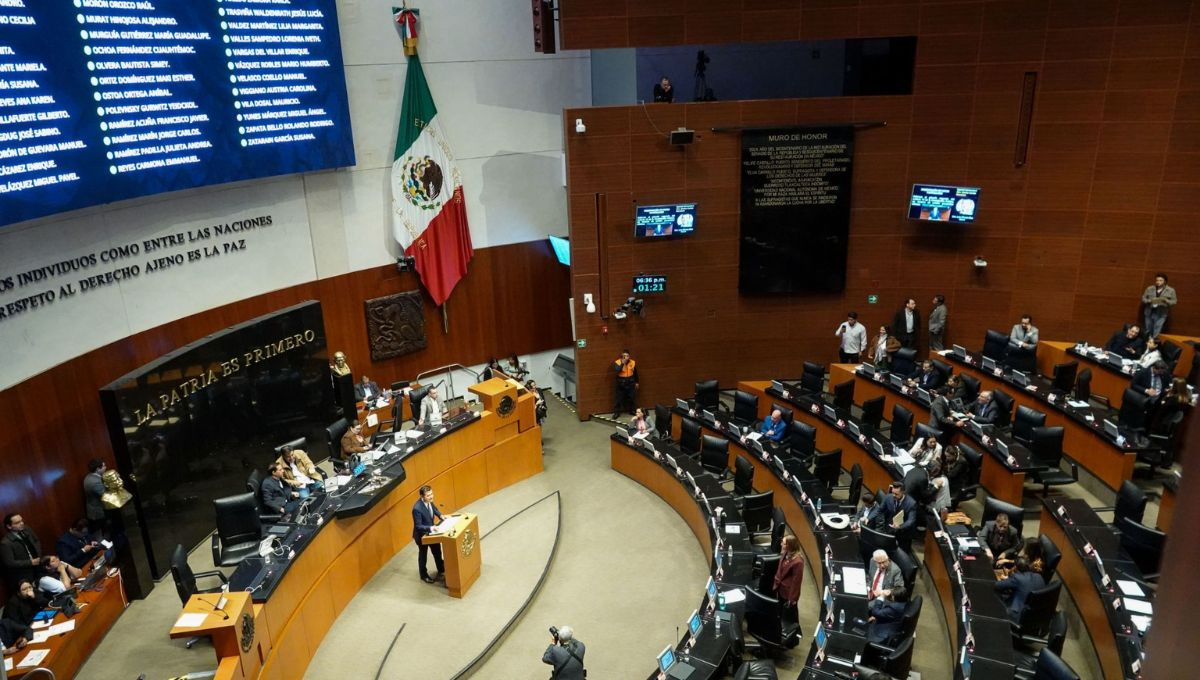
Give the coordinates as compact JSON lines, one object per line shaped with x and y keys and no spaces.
{"x":1078,"y":404}
{"x":40,"y":637}
{"x":60,"y":628}
{"x":968,"y":543}
{"x":733,"y":529}
{"x":905,"y":467}
{"x":1131,"y":588}
{"x":854,"y":580}
{"x":1139,"y":606}
{"x":754,"y":436}
{"x":641,"y":435}
{"x":904,"y":458}
{"x":38,"y":625}
{"x":343,"y":480}
{"x":1140,"y":622}
{"x":372,"y":420}
{"x":447,"y":524}
{"x":735,"y":595}
{"x":8,"y":664}
{"x":190,"y":619}
{"x":392,"y":448}
{"x":107,"y":544}
{"x":33,"y":658}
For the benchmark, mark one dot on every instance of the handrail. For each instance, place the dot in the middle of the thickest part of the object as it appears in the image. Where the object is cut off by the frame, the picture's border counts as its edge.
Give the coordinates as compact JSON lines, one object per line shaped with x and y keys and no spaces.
{"x":448,"y":369}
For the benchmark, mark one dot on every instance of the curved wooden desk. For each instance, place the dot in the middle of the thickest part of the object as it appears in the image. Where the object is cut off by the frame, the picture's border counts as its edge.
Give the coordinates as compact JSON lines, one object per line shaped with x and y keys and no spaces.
{"x":463,"y":466}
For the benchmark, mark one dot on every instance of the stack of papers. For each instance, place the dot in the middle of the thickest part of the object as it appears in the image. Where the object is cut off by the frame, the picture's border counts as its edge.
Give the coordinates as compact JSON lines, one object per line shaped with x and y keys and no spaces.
{"x":855,"y":580}
{"x":33,"y":658}
{"x":1078,"y":404}
{"x":1139,"y":606}
{"x":413,"y":434}
{"x":446,"y":525}
{"x":968,"y":543}
{"x":190,"y":620}
{"x":1140,"y":622}
{"x":735,"y":595}
{"x":1130,"y":588}
{"x":8,"y":664}
{"x":60,"y":628}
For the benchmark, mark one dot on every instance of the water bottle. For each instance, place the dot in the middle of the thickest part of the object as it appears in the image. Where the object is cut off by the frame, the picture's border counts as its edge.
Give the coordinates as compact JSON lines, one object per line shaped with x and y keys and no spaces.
{"x":818,"y":506}
{"x":721,"y":601}
{"x":842,"y":620}
{"x":729,"y":553}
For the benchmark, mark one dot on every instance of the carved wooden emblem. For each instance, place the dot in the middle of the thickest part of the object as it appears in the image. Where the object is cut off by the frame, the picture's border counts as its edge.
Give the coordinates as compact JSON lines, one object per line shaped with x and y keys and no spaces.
{"x":396,"y":325}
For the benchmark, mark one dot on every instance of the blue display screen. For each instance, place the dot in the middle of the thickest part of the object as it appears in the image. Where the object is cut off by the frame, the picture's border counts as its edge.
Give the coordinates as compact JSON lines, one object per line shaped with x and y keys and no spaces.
{"x":562,"y":249}
{"x":644,"y":284}
{"x":666,"y":659}
{"x":943,"y":204}
{"x":654,"y":221}
{"x":694,"y":623}
{"x":102,"y":100}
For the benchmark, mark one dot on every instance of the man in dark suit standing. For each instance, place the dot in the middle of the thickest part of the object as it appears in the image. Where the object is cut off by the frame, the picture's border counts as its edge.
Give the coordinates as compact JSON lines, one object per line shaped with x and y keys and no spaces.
{"x":1019,"y":585}
{"x":900,"y":514}
{"x":20,"y":551}
{"x":423,"y":512}
{"x":939,"y":410}
{"x":906,"y":326}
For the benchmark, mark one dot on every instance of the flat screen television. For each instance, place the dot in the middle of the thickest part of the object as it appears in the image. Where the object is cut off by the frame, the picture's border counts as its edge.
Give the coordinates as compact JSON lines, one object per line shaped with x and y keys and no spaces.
{"x":562,"y":249}
{"x":935,"y":203}
{"x":659,"y":221}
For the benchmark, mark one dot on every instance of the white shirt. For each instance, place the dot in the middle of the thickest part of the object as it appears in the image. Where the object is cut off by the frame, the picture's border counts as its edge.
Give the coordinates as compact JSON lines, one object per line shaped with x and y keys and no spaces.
{"x":1149,"y":358}
{"x":431,"y":412}
{"x":908,"y":319}
{"x":854,"y":340}
{"x":299,"y":475}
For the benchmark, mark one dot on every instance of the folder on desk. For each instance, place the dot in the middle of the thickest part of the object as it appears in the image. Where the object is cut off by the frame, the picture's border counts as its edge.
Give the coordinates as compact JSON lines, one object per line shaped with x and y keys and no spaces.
{"x":854,"y":580}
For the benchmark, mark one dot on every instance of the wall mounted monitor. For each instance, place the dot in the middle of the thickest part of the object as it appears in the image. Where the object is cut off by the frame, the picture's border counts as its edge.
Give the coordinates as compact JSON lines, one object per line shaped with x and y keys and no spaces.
{"x":562,"y":249}
{"x":660,"y":221}
{"x":104,"y":101}
{"x":935,"y":203}
{"x":648,"y":284}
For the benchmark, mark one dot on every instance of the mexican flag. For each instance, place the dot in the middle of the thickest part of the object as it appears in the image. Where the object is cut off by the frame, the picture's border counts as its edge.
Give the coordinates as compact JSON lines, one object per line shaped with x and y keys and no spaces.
{"x":429,"y":217}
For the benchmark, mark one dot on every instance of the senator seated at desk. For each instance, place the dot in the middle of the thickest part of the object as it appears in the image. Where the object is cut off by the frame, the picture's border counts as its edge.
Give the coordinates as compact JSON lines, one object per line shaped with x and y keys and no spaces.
{"x":998,"y":536}
{"x":774,"y":427}
{"x":76,"y":547}
{"x":1127,"y":343}
{"x":1152,"y":381}
{"x":928,"y":378}
{"x":15,"y":630}
{"x":984,"y":411}
{"x":298,"y":470}
{"x":276,"y":493}
{"x":431,"y":411}
{"x":353,"y":442}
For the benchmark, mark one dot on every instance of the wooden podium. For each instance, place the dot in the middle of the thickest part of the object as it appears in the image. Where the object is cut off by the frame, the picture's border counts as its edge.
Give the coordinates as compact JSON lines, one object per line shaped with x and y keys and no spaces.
{"x":241,"y":641}
{"x":461,"y":549}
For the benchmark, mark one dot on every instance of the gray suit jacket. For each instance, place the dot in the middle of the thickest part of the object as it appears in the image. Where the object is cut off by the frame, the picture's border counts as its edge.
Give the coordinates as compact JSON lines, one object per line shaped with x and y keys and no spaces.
{"x":1018,"y":335}
{"x":892,"y":580}
{"x":937,"y":319}
{"x":1168,"y":295}
{"x":93,"y":489}
{"x":566,"y":666}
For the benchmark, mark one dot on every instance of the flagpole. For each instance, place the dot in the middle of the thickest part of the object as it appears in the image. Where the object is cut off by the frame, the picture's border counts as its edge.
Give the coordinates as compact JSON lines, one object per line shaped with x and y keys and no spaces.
{"x":445,"y":319}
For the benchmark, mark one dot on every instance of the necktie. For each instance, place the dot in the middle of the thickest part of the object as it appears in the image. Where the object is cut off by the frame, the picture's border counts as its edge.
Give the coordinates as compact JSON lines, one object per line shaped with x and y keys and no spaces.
{"x":878,"y":578}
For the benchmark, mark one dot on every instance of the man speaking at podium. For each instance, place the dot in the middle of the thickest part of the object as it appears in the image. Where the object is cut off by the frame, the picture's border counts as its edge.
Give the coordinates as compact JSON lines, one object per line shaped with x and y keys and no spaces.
{"x":423,"y":513}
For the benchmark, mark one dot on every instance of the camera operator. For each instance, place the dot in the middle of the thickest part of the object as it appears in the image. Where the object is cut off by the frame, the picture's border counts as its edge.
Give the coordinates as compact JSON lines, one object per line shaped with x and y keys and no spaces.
{"x":565,"y":655}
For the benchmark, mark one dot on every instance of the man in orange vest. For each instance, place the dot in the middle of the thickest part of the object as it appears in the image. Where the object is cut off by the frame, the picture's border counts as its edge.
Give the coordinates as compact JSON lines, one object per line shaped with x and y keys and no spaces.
{"x":627,"y":384}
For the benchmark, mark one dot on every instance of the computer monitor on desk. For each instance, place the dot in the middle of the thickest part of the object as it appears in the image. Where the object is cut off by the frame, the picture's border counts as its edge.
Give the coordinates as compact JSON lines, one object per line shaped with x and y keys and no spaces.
{"x":896,"y":380}
{"x":1020,"y":378}
{"x":695,"y":622}
{"x":682,"y":405}
{"x":960,"y":351}
{"x":989,"y":363}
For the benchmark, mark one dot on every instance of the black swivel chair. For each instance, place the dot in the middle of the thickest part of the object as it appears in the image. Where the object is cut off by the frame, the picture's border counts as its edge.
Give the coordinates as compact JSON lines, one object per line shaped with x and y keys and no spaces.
{"x":1034,"y":621}
{"x":872,"y":412}
{"x":975,"y":469}
{"x":708,"y":395}
{"x":1022,"y":359}
{"x":813,"y":377}
{"x":774,"y":542}
{"x":902,"y":425}
{"x":1134,"y":406}
{"x":898,"y":662}
{"x":924,"y":431}
{"x":185,"y":580}
{"x":904,"y":362}
{"x":908,"y":569}
{"x":239,"y":529}
{"x":1004,"y":403}
{"x":1023,"y":423}
{"x":1064,"y":376}
{"x":802,"y":439}
{"x":971,"y":387}
{"x":743,"y":476}
{"x":1170,"y":353}
{"x":1051,"y":556}
{"x":689,"y":436}
{"x":714,"y":455}
{"x":1131,"y":503}
{"x":745,"y":407}
{"x":870,"y":540}
{"x":853,"y":489}
{"x":944,"y":368}
{"x":765,"y":566}
{"x":1144,"y":545}
{"x":784,"y":411}
{"x":764,"y":621}
{"x":758,"y":511}
{"x":1047,"y":449}
{"x":995,"y":345}
{"x":843,"y":396}
{"x":1050,"y":667}
{"x":1026,"y":663}
{"x":827,"y":467}
{"x":756,"y":669}
{"x":333,"y":439}
{"x":254,"y":486}
{"x":415,"y":397}
{"x":993,"y":507}
{"x":662,"y":422}
{"x":1163,"y":444}
{"x":1083,"y":385}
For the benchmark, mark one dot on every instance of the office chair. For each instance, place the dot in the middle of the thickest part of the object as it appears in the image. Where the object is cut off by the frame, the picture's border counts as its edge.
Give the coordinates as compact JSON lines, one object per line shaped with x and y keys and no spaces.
{"x":185,"y":581}
{"x":944,"y":368}
{"x":975,"y":469}
{"x":756,"y":669}
{"x":843,"y":396}
{"x":1050,"y":667}
{"x":853,"y":489}
{"x":897,"y":662}
{"x":1134,"y":406}
{"x":1083,"y":386}
{"x":745,"y":407}
{"x":662,"y":422}
{"x":904,"y":362}
{"x":415,"y":397}
{"x":743,"y":476}
{"x":1144,"y":545}
{"x":239,"y":529}
{"x":1161,"y":452}
{"x":827,"y":467}
{"x":871,"y":540}
{"x":995,"y":345}
{"x":254,"y":485}
{"x":774,"y":542}
{"x":1025,"y":662}
{"x":708,"y":395}
{"x":1022,"y":359}
{"x":758,"y":511}
{"x":907,"y":628}
{"x":902,"y":425}
{"x":765,"y":566}
{"x":1023,"y":423}
{"x":993,"y":507}
{"x":813,"y":377}
{"x":971,"y":387}
{"x":802,"y":439}
{"x":1131,"y":503}
{"x":1046,"y":448}
{"x":1170,"y":353}
{"x":689,"y":436}
{"x":908,"y":569}
{"x":1034,"y":622}
{"x":924,"y":431}
{"x":714,"y":455}
{"x":764,"y":621}
{"x":333,"y":439}
{"x":1064,"y":376}
{"x":872,"y":412}
{"x":784,"y":411}
{"x":1005,"y":403}
{"x":1051,"y":556}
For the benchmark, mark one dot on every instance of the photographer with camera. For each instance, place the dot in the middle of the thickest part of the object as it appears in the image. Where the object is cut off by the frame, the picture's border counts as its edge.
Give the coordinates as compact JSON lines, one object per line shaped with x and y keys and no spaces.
{"x":565,"y":655}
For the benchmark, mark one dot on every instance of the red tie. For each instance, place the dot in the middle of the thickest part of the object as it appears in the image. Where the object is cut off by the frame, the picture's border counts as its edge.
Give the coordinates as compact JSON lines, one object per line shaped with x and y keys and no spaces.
{"x":878,"y":578}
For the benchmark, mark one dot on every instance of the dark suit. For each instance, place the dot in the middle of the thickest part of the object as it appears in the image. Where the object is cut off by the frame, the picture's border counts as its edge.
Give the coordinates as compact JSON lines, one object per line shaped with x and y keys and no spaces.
{"x":900,"y":328}
{"x":888,"y":615}
{"x":939,"y":414}
{"x":423,"y":526}
{"x":1145,"y":379}
{"x":277,"y":495}
{"x":893,"y":580}
{"x":1121,"y":344}
{"x":1019,"y":585}
{"x":361,"y":393}
{"x":931,"y":380}
{"x":904,"y":533}
{"x":985,"y":414}
{"x":998,"y":541}
{"x":18,"y":553}
{"x":871,"y":517}
{"x":70,"y":549}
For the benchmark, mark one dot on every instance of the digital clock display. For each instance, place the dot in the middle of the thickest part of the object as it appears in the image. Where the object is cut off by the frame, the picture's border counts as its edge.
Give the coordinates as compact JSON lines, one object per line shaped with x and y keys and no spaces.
{"x":649,"y":283}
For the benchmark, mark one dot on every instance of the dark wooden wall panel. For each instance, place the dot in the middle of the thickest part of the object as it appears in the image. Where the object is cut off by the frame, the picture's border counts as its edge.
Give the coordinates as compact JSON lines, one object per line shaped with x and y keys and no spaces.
{"x":1106,"y":198}
{"x":513,"y":299}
